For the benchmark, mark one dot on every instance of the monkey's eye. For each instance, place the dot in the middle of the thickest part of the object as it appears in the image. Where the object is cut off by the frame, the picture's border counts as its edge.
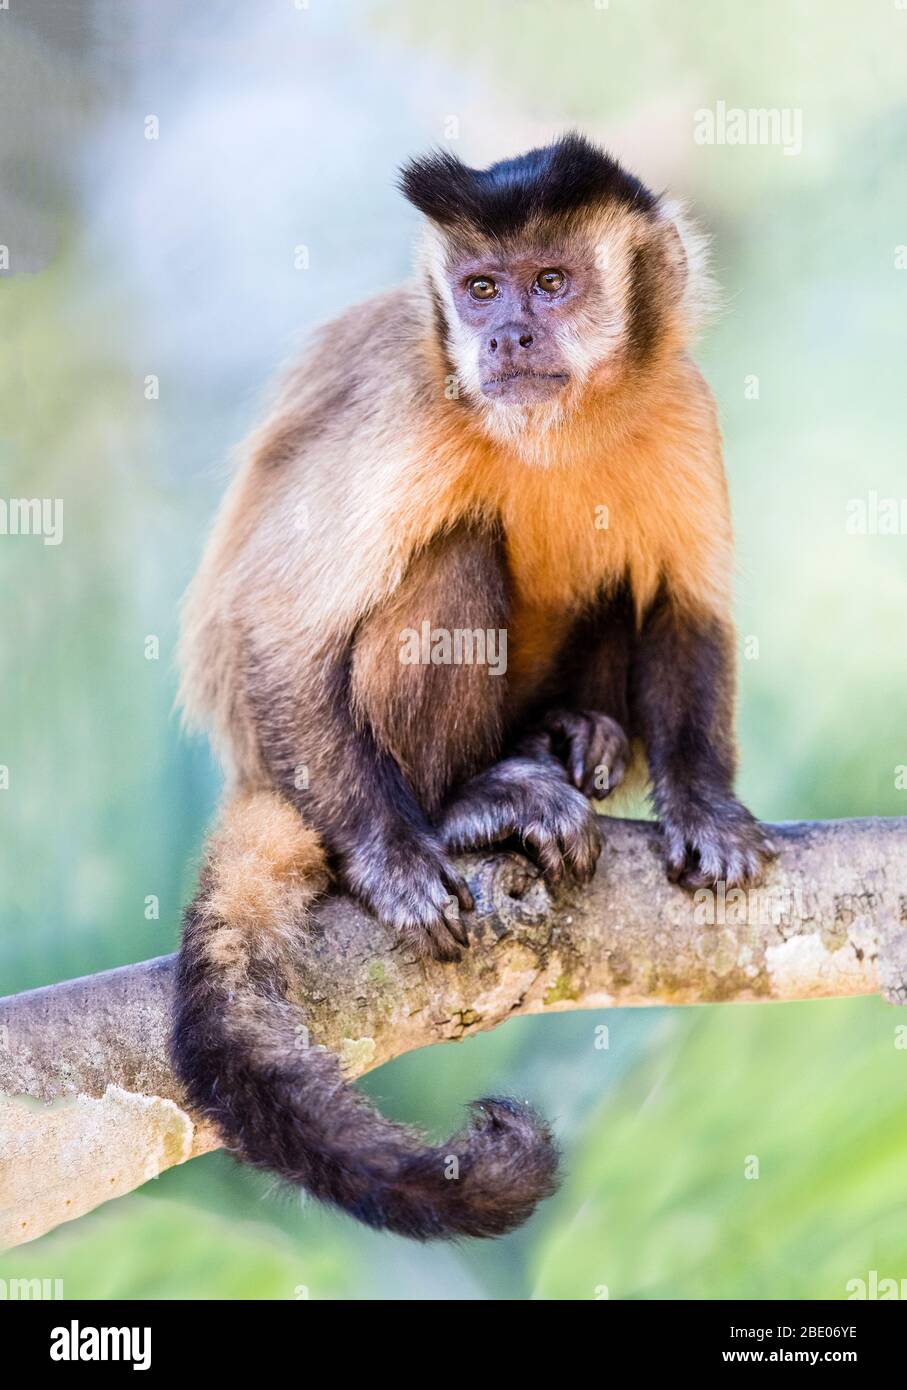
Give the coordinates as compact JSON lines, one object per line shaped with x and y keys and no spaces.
{"x":550,"y":281}
{"x":481,"y":287}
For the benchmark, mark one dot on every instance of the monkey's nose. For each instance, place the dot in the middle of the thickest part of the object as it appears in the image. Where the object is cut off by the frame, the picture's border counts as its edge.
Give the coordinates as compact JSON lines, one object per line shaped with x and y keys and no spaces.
{"x":510,"y":337}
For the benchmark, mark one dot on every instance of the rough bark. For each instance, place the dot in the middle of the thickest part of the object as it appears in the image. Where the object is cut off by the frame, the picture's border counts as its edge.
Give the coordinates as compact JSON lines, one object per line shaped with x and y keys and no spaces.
{"x":89,"y":1108}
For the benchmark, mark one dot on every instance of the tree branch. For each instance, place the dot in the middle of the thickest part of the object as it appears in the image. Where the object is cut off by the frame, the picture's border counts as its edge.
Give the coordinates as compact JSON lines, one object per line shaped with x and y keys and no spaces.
{"x":89,"y":1108}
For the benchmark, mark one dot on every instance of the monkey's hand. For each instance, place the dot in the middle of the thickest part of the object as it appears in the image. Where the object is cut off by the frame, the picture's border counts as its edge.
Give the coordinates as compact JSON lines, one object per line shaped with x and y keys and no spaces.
{"x":593,"y":748}
{"x":408,"y":882}
{"x":714,"y":842}
{"x":530,"y":799}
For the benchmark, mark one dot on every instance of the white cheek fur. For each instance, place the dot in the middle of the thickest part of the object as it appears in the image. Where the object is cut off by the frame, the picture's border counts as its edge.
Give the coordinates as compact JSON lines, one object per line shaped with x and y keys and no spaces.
{"x":465,"y":346}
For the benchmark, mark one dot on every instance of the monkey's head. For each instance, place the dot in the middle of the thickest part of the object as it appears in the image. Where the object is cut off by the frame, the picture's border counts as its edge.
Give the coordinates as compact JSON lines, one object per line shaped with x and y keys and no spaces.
{"x":551,"y":275}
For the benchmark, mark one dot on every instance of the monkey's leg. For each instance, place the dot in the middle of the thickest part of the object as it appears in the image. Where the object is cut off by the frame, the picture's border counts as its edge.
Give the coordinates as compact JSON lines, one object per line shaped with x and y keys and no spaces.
{"x":379,"y":840}
{"x":682,"y":696}
{"x":527,"y":798}
{"x":437,"y":721}
{"x":381,"y":737}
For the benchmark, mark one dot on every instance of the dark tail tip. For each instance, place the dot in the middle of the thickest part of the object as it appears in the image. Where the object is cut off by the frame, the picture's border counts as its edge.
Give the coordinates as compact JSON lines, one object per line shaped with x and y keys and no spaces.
{"x":484,"y":1182}
{"x":514,"y":1161}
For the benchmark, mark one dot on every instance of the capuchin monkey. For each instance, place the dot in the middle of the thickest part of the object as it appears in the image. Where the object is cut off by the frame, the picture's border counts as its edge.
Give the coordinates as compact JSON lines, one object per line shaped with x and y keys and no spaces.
{"x":514,"y":442}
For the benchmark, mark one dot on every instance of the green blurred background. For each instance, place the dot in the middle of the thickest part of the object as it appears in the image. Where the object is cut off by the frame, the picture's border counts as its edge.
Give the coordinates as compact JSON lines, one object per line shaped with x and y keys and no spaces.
{"x":280,"y":126}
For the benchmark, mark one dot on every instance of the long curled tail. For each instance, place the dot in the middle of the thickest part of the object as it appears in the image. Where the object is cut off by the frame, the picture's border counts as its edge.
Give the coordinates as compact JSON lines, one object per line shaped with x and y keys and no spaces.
{"x":239,"y":1050}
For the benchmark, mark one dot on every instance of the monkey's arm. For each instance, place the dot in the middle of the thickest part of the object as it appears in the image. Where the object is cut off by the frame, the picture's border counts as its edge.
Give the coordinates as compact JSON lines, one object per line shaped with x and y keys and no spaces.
{"x":381,"y":739}
{"x":682,"y":703}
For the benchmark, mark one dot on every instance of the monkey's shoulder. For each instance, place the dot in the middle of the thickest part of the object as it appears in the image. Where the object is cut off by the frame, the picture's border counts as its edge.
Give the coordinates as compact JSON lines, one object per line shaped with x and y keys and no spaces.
{"x":359,"y":371}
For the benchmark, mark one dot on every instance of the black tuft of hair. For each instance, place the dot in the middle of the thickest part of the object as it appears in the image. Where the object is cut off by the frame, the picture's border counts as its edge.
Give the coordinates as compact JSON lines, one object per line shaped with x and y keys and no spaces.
{"x":561,"y":178}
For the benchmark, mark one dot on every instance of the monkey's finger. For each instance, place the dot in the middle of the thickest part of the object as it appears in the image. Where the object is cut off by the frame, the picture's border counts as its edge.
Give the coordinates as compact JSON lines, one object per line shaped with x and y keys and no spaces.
{"x":444,"y":940}
{"x":609,"y":753}
{"x":754,"y":858}
{"x":443,"y":948}
{"x":582,"y":852}
{"x":604,"y":763}
{"x":575,"y":731}
{"x":579,"y":733}
{"x":456,"y":927}
{"x":545,"y":850}
{"x":580,"y":760}
{"x":676,"y":853}
{"x":594,"y":758}
{"x":459,"y":888}
{"x":615,"y":770}
{"x":456,"y":886}
{"x":694,"y":878}
{"x":450,"y":911}
{"x":460,"y":899}
{"x":716,"y":856}
{"x":430,"y":937}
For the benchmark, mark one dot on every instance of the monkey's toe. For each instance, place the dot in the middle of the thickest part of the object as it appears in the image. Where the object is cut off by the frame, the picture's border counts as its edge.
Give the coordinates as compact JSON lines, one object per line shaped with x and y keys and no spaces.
{"x":593,"y":747}
{"x":531,"y":802}
{"x":725,"y":846}
{"x":566,"y":844}
{"x":416,"y":891}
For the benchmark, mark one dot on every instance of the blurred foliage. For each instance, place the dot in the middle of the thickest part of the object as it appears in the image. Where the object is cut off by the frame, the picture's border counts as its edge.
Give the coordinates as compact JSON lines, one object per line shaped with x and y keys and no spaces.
{"x":145,"y":1251}
{"x":755,"y":1161}
{"x":157,"y":260}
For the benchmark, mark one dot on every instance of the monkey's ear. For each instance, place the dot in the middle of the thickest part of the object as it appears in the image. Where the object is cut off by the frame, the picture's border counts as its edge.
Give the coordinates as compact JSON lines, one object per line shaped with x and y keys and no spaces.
{"x":674,"y":256}
{"x":683,"y":253}
{"x":440,"y":186}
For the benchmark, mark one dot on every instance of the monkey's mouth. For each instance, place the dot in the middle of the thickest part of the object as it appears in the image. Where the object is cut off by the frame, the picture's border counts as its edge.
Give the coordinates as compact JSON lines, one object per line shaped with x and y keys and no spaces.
{"x":522,"y":386}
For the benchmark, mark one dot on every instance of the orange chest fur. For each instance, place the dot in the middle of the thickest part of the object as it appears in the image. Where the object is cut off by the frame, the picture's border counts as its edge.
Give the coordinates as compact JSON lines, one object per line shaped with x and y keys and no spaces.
{"x":648,"y":509}
{"x":567,"y":538}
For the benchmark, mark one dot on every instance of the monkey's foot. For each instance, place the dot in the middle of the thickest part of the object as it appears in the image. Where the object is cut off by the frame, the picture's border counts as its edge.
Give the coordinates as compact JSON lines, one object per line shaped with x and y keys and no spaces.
{"x":525,"y":799}
{"x":592,"y":746}
{"x":721,"y":843}
{"x":412,"y":887}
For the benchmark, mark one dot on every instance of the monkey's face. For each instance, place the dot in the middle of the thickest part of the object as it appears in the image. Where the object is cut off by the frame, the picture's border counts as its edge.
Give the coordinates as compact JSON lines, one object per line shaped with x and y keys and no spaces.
{"x":519,"y":318}
{"x":554,"y":280}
